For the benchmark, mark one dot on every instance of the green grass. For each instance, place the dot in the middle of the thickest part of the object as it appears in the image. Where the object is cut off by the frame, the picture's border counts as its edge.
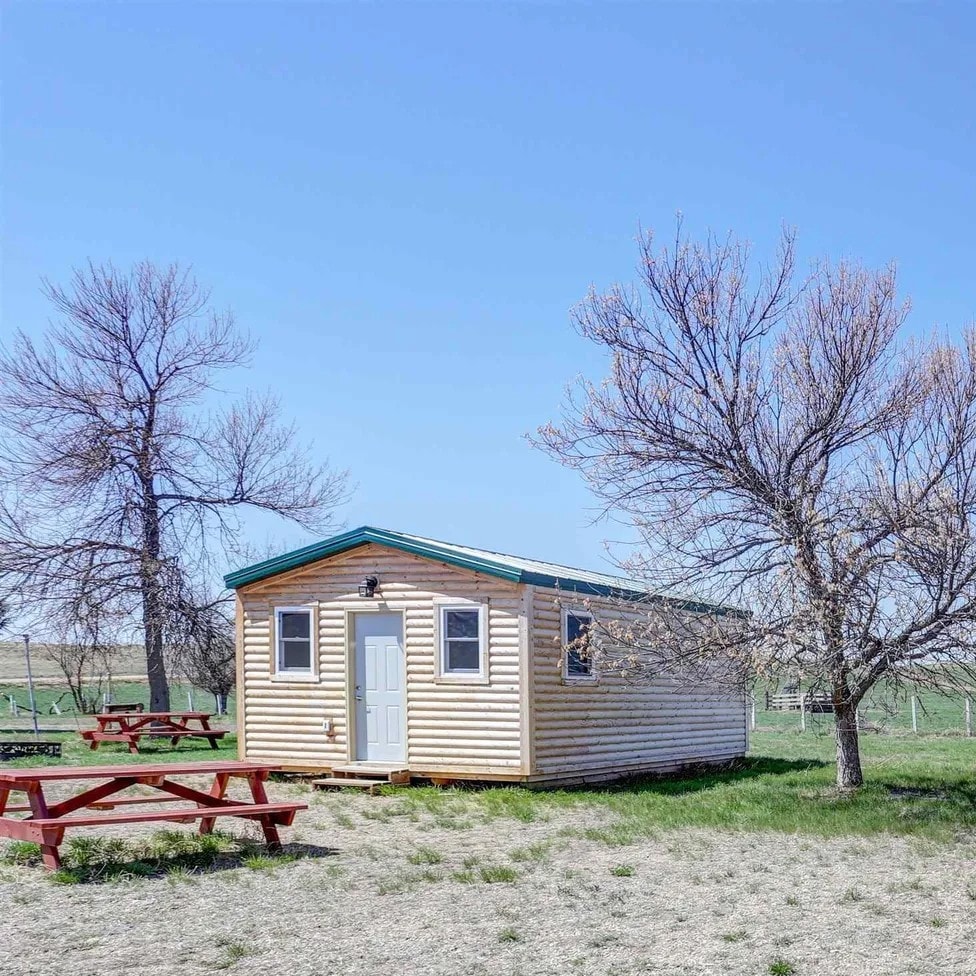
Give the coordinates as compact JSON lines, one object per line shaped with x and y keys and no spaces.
{"x":76,"y":752}
{"x":425,"y":855}
{"x":497,"y":874}
{"x":787,"y":784}
{"x":122,"y":691}
{"x":923,"y":786}
{"x":180,"y":855}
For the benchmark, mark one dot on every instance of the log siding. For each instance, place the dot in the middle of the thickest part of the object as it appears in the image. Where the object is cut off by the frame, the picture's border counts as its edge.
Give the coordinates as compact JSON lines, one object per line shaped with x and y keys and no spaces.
{"x":594,"y":728}
{"x":451,"y":727}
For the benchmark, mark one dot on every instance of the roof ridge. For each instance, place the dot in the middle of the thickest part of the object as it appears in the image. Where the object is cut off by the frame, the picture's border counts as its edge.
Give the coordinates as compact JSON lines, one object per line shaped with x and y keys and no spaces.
{"x":518,"y":569}
{"x":511,"y":555}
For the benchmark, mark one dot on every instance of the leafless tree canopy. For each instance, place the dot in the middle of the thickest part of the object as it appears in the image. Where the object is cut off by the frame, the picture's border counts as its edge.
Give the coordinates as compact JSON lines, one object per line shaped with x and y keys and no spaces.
{"x":200,"y":640}
{"x":782,"y":448}
{"x":119,"y":473}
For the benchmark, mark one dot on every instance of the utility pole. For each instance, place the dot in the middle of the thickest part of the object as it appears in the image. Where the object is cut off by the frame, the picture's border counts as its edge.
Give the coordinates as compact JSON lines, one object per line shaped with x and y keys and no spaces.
{"x":30,"y":685}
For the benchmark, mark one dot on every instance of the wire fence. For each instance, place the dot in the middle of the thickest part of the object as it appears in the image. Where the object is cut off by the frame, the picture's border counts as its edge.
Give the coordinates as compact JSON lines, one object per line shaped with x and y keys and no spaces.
{"x":55,"y":704}
{"x":920,"y":713}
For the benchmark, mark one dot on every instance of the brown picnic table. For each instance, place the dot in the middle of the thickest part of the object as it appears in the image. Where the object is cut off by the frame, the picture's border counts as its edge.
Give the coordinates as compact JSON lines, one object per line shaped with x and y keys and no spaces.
{"x":48,"y":820}
{"x":130,"y":727}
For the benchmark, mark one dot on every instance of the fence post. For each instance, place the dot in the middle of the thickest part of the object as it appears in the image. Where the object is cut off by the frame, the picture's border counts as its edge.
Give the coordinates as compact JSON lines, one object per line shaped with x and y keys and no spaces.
{"x":803,"y":712}
{"x":914,"y":714}
{"x":752,"y":716}
{"x":969,"y":717}
{"x":189,"y":697}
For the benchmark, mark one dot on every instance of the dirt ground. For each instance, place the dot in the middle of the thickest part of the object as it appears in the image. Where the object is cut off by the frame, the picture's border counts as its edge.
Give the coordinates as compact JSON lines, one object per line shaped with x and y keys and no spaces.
{"x":388,"y":887}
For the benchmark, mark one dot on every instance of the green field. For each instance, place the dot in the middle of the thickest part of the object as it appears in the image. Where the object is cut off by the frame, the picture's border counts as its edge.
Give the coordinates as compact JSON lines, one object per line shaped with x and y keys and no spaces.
{"x":122,"y":691}
{"x":883,"y":711}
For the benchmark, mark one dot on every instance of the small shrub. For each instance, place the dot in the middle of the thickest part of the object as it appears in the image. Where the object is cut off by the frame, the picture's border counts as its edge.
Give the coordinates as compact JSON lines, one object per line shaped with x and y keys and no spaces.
{"x":425,"y":855}
{"x":498,"y":874}
{"x":267,"y":862}
{"x":792,"y":900}
{"x":853,"y":894}
{"x":539,"y":851}
{"x":64,"y":876}
{"x":938,"y":922}
{"x":781,"y":967}
{"x":234,"y":952}
{"x":509,"y":934}
{"x":623,"y":870}
{"x":22,"y":852}
{"x":138,"y":869}
{"x":735,"y":936}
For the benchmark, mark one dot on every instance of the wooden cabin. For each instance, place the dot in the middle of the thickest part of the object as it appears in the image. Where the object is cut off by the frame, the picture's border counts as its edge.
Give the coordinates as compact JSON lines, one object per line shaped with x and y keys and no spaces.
{"x":381,"y":651}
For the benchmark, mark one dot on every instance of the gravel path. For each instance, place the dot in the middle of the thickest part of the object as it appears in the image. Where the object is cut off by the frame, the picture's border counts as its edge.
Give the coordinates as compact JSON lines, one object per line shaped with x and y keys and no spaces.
{"x":391,"y":889}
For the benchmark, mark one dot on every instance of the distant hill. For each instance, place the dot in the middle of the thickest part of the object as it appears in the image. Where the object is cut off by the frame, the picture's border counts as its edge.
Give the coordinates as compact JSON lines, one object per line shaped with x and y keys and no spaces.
{"x":126,"y":660}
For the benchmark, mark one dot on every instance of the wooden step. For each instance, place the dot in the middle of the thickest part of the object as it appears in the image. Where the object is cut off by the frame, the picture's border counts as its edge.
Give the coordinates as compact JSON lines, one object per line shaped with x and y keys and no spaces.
{"x":349,"y":783}
{"x":384,"y":772}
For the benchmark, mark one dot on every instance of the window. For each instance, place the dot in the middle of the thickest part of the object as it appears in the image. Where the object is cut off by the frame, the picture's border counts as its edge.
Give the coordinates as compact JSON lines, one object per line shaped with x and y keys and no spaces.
{"x":461,"y":652}
{"x":293,"y":630}
{"x":577,"y":662}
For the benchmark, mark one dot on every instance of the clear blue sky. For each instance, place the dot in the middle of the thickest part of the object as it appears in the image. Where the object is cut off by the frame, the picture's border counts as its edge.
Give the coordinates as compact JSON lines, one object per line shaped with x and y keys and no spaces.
{"x":402,"y":201}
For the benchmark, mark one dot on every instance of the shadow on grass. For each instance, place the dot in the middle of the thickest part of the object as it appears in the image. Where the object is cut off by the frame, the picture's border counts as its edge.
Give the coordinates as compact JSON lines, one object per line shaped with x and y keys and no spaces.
{"x":699,"y":778}
{"x":168,"y":854}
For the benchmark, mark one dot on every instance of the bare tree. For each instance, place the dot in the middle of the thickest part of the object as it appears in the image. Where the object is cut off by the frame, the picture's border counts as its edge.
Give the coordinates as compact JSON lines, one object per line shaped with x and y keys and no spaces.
{"x":779,"y":447}
{"x":82,"y":649}
{"x":115,"y":462}
{"x":85,"y":667}
{"x":200,"y":637}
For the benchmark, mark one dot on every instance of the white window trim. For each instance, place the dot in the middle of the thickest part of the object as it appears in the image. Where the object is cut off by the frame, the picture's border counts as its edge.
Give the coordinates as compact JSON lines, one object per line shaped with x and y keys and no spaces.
{"x":441,"y":674}
{"x":574,"y":679}
{"x":279,"y":673}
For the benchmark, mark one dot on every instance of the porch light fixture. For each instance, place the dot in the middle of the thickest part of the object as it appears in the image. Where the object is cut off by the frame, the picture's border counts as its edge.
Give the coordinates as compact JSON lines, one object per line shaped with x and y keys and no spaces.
{"x":368,"y":586}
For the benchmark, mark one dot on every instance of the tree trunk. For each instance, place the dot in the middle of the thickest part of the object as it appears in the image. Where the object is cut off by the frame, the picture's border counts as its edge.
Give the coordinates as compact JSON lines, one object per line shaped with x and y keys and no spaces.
{"x":152,"y":604}
{"x":849,"y":775}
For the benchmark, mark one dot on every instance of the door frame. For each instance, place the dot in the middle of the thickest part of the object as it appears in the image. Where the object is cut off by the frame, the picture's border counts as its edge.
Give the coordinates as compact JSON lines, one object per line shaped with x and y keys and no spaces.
{"x":352,"y":730}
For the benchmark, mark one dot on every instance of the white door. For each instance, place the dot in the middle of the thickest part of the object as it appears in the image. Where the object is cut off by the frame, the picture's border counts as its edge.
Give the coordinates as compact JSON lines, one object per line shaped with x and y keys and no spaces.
{"x":381,"y":706}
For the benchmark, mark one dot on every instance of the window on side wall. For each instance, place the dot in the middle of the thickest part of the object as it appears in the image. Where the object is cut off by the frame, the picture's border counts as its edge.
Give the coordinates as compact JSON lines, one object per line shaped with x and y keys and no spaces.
{"x":462,"y":651}
{"x":295,"y":644}
{"x":577,"y":659}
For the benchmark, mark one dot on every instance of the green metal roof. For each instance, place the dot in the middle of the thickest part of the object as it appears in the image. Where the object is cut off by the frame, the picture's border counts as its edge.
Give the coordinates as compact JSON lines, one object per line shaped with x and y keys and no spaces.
{"x":517,"y":569}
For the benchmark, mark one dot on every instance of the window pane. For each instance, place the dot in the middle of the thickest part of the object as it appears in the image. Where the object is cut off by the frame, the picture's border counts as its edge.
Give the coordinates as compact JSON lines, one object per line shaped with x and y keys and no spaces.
{"x":296,"y":655}
{"x":463,"y":655}
{"x":295,"y":624}
{"x":576,"y":627}
{"x":577,"y":664}
{"x":462,"y":623}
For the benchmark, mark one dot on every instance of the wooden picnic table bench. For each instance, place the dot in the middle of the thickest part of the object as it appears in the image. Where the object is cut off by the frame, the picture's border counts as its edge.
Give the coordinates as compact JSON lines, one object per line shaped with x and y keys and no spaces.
{"x":48,"y":820}
{"x":130,"y":727}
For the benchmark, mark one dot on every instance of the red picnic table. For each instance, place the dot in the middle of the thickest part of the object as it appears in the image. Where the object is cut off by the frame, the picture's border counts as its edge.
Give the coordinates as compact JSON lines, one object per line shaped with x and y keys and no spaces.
{"x":130,"y":727}
{"x":48,"y":821}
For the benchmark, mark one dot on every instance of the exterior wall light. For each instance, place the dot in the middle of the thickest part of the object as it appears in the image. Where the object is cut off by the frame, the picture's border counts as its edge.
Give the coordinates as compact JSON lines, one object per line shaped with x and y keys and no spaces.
{"x":368,"y":586}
